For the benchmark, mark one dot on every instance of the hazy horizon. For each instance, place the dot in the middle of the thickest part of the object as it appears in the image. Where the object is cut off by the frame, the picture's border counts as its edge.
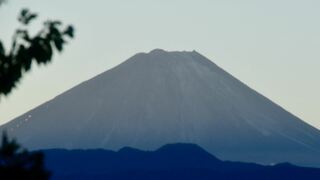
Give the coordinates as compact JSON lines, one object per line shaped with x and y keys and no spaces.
{"x":270,"y":46}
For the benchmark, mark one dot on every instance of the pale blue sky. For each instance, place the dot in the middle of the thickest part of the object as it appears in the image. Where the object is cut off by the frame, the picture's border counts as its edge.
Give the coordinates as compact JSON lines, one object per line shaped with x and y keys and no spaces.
{"x":273,"y":46}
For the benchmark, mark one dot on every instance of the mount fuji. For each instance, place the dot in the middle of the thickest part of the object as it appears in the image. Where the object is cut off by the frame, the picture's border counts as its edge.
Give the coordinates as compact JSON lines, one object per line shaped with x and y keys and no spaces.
{"x":161,"y":97}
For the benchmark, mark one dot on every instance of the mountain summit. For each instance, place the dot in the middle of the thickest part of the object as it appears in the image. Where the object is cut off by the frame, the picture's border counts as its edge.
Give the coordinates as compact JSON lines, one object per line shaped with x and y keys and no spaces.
{"x":164,"y":97}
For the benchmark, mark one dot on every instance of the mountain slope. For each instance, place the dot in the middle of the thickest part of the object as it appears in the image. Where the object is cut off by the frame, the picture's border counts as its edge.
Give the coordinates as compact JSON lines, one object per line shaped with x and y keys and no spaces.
{"x":166,"y":97}
{"x":173,"y":161}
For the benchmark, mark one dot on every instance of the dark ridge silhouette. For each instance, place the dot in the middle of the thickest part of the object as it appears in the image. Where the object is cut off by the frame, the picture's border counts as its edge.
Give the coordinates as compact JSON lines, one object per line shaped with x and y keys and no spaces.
{"x":173,"y":161}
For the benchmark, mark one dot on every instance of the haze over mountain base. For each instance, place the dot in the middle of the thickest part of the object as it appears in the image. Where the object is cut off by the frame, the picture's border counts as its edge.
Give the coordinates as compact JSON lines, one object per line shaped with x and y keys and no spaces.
{"x":164,"y":97}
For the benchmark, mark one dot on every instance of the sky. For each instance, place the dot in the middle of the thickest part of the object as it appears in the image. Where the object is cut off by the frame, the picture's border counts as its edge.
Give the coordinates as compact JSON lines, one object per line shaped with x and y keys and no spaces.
{"x":272,"y":46}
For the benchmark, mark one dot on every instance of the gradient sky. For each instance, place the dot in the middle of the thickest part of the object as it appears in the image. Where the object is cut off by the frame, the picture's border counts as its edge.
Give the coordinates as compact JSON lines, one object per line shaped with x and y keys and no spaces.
{"x":273,"y":46}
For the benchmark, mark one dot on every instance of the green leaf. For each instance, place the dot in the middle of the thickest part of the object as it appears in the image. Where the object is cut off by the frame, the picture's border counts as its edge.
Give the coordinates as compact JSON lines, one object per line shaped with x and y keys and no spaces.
{"x":31,"y":17}
{"x":41,"y":50}
{"x":23,"y":57}
{"x":2,"y":56}
{"x":56,"y":23}
{"x":26,"y":16}
{"x":24,"y":12}
{"x":2,"y":51}
{"x":58,"y":42}
{"x":69,"y":31}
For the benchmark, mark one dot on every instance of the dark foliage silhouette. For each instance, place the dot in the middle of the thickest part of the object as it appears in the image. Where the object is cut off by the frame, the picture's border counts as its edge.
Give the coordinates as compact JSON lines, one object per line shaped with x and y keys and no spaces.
{"x":26,"y":49}
{"x":2,"y":1}
{"x":18,"y":163}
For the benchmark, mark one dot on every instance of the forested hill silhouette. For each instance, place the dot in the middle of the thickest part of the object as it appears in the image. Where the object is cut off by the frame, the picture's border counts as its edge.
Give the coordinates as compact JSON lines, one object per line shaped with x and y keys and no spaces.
{"x":173,"y":161}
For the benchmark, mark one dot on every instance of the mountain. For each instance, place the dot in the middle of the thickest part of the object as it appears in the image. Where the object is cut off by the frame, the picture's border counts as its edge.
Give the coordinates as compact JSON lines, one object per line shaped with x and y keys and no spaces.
{"x":173,"y":161}
{"x":164,"y":97}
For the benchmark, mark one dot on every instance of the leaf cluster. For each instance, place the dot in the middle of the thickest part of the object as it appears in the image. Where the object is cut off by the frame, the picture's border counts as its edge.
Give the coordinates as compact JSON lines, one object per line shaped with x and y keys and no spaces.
{"x":26,"y":49}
